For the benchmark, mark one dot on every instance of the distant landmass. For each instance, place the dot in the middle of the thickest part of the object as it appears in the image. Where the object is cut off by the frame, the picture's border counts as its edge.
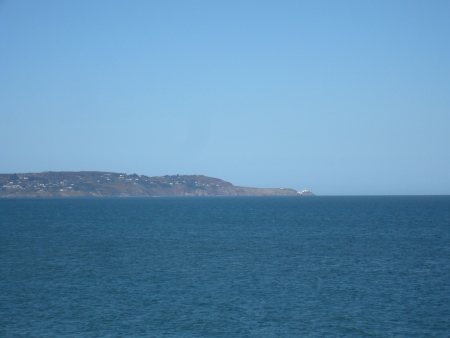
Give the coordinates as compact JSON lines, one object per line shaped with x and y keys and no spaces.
{"x":107,"y":184}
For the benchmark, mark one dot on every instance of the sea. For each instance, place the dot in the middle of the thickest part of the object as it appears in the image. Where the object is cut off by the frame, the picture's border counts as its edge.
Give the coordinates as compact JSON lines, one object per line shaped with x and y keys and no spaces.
{"x":359,"y":266}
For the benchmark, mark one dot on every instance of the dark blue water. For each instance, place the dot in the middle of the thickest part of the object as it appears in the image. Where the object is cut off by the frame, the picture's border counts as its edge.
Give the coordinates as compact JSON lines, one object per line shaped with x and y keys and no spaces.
{"x":225,"y":267}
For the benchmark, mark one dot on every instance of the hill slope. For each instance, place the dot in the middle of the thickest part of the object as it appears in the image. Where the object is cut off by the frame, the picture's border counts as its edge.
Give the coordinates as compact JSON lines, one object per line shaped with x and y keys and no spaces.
{"x":94,"y":183}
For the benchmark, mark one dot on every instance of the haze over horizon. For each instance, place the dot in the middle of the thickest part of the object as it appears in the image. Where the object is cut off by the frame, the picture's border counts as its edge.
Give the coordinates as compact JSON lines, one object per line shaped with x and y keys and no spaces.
{"x":341,"y":98}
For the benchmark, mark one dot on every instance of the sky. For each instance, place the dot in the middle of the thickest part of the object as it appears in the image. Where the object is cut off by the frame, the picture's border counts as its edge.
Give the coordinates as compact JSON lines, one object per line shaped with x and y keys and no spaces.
{"x":339,"y":97}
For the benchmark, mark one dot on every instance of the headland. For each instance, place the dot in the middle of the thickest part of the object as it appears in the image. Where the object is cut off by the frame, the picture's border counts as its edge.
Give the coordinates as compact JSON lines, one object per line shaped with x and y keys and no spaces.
{"x":110,"y":184}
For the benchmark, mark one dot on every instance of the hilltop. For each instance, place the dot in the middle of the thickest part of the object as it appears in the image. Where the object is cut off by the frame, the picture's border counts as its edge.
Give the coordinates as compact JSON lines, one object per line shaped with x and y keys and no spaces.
{"x":108,"y":184}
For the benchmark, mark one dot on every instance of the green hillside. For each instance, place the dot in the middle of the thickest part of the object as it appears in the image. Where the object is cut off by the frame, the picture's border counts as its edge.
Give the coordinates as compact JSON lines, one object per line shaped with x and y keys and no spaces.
{"x":106,"y":184}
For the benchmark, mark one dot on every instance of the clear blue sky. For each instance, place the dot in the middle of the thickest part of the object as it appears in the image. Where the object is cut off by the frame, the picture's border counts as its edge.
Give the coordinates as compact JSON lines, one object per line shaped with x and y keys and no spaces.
{"x":340,"y":97}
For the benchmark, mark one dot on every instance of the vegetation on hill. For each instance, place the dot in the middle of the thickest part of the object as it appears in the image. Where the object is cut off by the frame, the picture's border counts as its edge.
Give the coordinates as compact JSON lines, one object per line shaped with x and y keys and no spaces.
{"x":94,"y":183}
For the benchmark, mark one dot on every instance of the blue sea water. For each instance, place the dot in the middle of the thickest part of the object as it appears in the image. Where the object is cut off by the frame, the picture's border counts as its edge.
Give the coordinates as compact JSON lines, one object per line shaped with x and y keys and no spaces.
{"x":225,"y":267}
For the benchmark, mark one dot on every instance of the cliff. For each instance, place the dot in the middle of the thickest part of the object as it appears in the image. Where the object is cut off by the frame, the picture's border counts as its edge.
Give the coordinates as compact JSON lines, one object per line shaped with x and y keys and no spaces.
{"x":94,"y":183}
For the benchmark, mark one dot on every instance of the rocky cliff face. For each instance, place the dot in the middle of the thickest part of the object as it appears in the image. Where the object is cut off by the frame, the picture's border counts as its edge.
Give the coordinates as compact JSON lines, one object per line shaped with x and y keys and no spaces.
{"x":79,"y":184}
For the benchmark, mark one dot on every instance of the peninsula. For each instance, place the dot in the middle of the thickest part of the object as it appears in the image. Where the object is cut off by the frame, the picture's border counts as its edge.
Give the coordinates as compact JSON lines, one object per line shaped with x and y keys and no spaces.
{"x":108,"y":184}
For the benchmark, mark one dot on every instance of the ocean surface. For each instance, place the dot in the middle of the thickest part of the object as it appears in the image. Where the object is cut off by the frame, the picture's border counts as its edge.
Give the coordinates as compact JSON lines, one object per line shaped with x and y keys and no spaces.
{"x":225,"y":267}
